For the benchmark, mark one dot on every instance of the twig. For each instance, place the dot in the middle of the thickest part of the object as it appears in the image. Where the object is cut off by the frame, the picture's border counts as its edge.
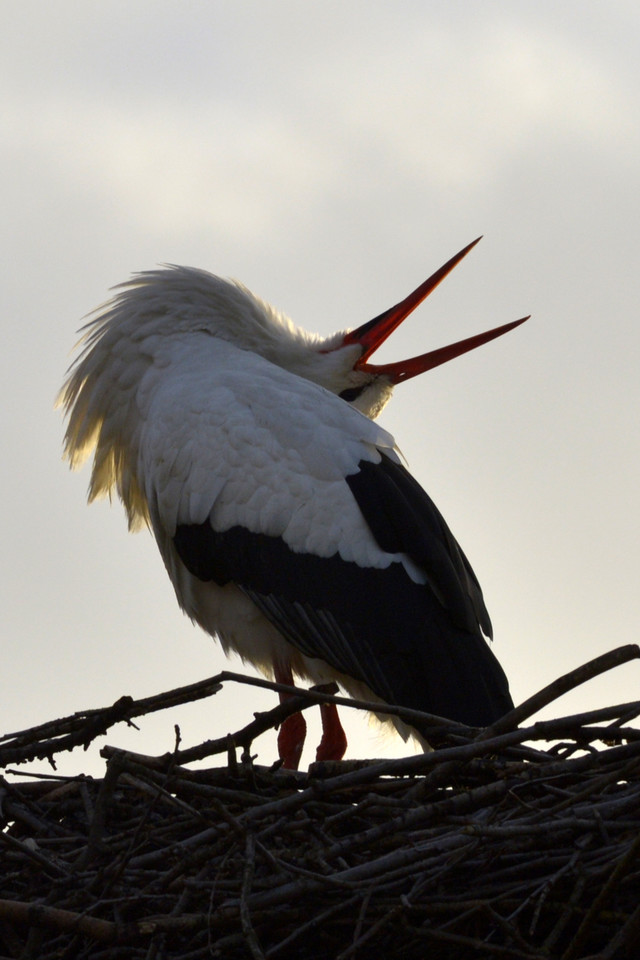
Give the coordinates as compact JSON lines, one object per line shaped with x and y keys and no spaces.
{"x":599,"y":901}
{"x":569,"y":681}
{"x":245,"y":913}
{"x":39,"y":915}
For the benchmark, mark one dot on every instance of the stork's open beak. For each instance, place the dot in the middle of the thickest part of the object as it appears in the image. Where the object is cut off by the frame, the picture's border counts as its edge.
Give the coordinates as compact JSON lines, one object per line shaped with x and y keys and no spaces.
{"x":372,"y":334}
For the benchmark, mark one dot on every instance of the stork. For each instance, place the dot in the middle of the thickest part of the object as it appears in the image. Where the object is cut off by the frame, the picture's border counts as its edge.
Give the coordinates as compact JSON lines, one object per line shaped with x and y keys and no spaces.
{"x":287,"y":523}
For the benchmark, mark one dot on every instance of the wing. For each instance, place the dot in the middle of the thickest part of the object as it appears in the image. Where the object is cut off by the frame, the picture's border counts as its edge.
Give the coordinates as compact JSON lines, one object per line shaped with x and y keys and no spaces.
{"x":230,"y":438}
{"x":298,"y":500}
{"x":403,"y":518}
{"x":376,"y":625}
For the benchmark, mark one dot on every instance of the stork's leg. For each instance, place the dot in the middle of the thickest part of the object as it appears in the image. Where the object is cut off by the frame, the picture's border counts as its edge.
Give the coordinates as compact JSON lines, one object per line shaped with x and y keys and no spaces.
{"x":334,"y":739}
{"x":293,"y":730}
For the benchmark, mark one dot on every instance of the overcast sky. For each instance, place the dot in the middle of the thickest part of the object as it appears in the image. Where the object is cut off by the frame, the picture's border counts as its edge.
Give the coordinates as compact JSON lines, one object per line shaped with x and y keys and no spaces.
{"x":331,"y":156}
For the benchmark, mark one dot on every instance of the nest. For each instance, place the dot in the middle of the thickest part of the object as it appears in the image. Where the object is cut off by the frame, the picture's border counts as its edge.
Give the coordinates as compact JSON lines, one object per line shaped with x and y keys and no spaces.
{"x":512,"y":842}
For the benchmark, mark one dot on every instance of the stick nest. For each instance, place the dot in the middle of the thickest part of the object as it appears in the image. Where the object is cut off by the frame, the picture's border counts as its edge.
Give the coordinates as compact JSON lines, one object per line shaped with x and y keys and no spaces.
{"x":513,"y":842}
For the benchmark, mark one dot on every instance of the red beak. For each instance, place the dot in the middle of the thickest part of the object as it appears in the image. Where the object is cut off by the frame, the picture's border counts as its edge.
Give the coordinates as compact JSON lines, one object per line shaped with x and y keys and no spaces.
{"x":372,"y":334}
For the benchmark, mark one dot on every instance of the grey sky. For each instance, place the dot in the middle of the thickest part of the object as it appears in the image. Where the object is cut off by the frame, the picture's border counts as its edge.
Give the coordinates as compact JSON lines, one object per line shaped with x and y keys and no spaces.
{"x":331,"y":156}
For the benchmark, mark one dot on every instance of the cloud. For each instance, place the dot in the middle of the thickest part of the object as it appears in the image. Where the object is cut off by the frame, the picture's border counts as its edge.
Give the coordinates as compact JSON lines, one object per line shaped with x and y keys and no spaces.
{"x":433,"y":101}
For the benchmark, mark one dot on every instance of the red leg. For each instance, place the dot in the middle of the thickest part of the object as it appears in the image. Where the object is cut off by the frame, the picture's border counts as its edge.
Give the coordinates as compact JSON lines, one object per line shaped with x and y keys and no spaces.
{"x":293,"y":730}
{"x":334,"y":739}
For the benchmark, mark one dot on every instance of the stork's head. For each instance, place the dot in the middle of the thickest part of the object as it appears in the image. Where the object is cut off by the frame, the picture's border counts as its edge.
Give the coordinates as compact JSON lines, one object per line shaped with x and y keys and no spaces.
{"x":368,"y":386}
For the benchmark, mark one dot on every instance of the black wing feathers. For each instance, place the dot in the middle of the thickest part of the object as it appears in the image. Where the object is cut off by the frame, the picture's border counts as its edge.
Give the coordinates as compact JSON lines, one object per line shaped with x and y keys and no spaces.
{"x":404,"y":519}
{"x":310,"y":599}
{"x":418,"y":645}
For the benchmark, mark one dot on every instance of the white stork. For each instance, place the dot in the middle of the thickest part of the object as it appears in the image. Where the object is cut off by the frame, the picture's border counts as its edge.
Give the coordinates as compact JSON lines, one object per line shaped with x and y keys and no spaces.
{"x":288,"y":525}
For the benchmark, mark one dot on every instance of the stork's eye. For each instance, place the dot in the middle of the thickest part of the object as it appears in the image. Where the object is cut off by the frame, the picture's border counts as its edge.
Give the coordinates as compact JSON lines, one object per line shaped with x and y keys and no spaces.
{"x":351,"y":393}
